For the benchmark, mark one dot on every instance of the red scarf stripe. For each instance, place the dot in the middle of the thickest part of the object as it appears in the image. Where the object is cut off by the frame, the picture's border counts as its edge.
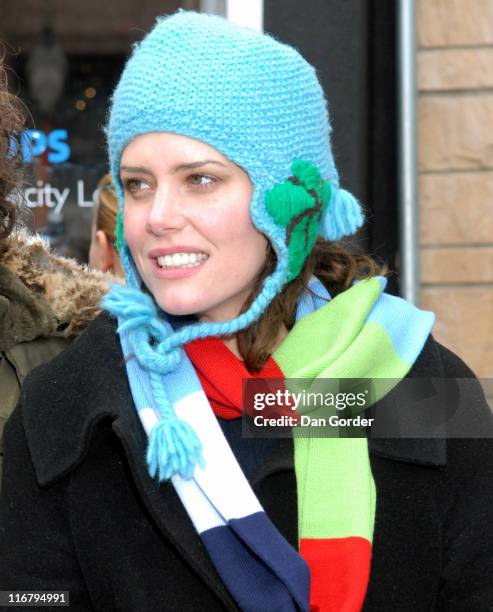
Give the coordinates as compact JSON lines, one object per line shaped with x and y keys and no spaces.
{"x":340,"y":581}
{"x":221,"y":374}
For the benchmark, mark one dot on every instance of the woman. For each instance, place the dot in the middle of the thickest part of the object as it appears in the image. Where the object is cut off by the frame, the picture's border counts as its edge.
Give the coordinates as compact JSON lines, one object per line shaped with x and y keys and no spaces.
{"x":219,"y":146}
{"x":45,"y":300}
{"x":102,"y":253}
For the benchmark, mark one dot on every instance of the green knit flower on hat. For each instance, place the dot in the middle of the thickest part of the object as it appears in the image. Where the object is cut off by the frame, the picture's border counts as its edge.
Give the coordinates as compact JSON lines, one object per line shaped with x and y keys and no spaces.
{"x":298,"y":204}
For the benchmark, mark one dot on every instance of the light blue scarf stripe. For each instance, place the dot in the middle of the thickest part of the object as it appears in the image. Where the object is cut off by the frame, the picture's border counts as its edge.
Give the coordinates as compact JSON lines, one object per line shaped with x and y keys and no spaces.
{"x":390,"y":312}
{"x":308,"y":302}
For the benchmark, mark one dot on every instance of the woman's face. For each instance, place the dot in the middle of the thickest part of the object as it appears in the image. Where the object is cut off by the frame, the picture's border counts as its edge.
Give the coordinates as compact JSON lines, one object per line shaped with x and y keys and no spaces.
{"x":187,"y":224}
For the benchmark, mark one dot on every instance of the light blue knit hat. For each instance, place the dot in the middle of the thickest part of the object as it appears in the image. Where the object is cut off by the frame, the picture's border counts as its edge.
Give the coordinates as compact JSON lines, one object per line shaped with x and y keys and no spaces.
{"x":254,"y":99}
{"x":260,"y":104}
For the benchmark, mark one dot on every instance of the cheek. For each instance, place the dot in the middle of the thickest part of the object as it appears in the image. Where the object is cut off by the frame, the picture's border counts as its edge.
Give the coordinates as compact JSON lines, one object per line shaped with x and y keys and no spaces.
{"x":242,"y":231}
{"x":245,"y":244}
{"x":228,"y":217}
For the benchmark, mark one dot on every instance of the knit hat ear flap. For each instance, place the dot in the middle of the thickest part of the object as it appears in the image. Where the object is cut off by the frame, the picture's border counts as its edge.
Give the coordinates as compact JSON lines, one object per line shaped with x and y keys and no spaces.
{"x":298,"y":204}
{"x":343,"y":216}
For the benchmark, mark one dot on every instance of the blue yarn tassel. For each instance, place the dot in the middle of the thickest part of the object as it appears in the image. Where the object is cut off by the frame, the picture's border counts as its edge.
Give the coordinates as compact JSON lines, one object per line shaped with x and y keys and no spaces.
{"x":174,"y":448}
{"x":342,"y":217}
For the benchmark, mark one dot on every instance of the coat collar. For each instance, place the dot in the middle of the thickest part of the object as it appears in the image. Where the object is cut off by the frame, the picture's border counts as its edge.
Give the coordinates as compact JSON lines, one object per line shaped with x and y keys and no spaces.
{"x":43,"y":294}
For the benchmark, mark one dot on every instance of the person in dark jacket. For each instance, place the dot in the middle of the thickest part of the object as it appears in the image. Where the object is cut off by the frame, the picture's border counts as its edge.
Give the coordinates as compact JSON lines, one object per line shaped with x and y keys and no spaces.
{"x":45,"y":300}
{"x":128,"y":481}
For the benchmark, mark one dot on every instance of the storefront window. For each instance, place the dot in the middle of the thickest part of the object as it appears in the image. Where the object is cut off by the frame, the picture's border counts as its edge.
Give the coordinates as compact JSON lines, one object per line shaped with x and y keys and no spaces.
{"x":65,"y":149}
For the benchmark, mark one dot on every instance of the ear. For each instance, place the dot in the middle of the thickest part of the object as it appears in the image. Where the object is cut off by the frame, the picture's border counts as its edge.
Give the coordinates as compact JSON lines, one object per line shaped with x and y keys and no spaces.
{"x":116,"y":264}
{"x":100,"y":256}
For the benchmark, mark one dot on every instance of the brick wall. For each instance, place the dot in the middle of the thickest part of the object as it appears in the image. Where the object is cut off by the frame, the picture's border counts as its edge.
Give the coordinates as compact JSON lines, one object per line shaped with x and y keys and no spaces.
{"x":455,"y":131}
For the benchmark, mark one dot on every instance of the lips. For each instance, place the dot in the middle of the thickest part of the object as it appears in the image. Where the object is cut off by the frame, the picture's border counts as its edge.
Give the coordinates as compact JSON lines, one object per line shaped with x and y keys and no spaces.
{"x":175,"y":272}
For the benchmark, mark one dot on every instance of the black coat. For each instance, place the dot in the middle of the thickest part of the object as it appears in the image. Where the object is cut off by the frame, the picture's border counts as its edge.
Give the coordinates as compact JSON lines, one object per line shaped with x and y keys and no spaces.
{"x":80,"y":513}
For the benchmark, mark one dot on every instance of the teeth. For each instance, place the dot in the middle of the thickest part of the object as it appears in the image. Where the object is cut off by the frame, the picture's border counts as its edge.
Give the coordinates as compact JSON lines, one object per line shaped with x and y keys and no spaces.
{"x":181,"y":260}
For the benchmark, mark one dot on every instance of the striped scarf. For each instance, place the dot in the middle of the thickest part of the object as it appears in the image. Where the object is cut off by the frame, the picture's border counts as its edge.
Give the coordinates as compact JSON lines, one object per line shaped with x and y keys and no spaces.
{"x":336,"y":338}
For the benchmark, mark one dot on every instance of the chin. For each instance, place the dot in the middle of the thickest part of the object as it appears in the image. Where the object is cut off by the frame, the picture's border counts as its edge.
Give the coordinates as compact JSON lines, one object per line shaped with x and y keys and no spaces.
{"x":177,"y":310}
{"x":178,"y":307}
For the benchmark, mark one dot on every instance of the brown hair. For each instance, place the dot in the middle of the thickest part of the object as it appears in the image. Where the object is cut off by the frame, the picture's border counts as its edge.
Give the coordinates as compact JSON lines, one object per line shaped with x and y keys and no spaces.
{"x":11,"y":159}
{"x":332,"y":263}
{"x":107,"y":208}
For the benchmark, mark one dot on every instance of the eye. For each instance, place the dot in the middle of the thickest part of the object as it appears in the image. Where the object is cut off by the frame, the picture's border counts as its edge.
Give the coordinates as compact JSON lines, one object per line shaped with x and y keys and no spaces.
{"x":134,"y":185}
{"x":202,"y":181}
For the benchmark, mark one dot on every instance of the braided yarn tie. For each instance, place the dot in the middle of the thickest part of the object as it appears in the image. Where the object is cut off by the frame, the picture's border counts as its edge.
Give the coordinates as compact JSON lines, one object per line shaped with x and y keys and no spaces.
{"x":173,"y":447}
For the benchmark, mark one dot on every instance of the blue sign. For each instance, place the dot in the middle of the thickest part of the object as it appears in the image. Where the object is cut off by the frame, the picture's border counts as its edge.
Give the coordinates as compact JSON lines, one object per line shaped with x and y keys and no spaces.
{"x":35,"y":143}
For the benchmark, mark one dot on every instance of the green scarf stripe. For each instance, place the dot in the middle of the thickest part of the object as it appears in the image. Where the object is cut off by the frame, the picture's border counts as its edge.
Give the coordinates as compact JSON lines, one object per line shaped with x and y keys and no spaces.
{"x":336,"y":490}
{"x":372,"y":341}
{"x":358,"y":361}
{"x":327,"y":506}
{"x":319,"y":338}
{"x":371,"y":355}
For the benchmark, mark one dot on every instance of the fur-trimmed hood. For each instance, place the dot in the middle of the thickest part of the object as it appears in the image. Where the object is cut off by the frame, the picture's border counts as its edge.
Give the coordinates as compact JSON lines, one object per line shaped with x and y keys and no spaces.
{"x":43,"y":294}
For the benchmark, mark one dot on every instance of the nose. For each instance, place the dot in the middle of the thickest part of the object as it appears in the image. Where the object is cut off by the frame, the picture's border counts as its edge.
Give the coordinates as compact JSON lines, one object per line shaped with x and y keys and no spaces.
{"x":166,"y":212}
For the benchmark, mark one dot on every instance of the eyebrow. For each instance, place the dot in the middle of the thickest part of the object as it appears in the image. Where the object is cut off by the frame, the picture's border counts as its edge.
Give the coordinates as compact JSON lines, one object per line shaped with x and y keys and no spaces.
{"x":191,"y":166}
{"x":136,"y":169}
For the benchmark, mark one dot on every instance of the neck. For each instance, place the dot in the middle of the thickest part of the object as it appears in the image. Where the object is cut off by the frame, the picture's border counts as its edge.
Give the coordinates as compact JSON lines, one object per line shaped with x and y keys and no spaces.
{"x":232,"y":342}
